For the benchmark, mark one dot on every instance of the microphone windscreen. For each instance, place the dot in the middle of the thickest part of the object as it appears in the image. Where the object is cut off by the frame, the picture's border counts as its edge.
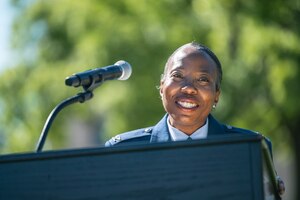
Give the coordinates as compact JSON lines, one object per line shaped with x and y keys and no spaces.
{"x":126,"y":69}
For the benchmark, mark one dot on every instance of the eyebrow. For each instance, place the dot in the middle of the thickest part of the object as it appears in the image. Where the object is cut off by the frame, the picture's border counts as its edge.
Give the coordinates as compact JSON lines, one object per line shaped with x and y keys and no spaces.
{"x":181,"y":68}
{"x":205,"y":71}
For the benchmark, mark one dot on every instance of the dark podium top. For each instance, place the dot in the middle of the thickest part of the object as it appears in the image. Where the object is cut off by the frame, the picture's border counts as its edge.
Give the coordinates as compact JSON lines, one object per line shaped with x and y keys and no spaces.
{"x":232,"y":168}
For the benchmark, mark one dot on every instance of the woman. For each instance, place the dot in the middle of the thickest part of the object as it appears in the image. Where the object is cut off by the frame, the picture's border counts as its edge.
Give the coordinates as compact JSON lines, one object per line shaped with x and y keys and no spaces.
{"x":189,"y":89}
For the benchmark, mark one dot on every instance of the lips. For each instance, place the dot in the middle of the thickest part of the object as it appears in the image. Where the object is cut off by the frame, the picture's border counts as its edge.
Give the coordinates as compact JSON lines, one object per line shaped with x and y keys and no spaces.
{"x":188,"y":103}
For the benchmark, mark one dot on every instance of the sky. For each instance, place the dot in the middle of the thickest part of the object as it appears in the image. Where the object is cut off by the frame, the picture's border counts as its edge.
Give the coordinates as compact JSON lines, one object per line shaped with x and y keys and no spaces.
{"x":6,"y":17}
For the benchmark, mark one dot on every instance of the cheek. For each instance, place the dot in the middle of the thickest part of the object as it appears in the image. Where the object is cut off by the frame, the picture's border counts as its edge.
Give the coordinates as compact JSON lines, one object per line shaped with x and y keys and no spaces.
{"x":164,"y":99}
{"x":209,"y":97}
{"x":167,"y":91}
{"x":165,"y":94}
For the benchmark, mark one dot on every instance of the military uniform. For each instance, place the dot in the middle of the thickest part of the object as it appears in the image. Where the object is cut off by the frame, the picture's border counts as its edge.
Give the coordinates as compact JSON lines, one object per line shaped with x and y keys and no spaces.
{"x":160,"y":133}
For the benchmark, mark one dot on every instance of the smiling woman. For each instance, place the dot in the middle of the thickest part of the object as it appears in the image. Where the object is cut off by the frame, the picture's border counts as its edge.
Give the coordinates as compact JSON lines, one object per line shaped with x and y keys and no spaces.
{"x":189,"y":89}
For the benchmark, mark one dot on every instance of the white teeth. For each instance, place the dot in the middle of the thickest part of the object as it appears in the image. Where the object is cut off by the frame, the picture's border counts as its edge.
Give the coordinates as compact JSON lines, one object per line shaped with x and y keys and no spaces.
{"x":187,"y":104}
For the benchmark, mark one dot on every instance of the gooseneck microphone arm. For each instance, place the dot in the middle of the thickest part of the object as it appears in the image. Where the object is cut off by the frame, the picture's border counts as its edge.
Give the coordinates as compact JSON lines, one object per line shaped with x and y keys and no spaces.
{"x":89,"y":80}
{"x":81,"y":97}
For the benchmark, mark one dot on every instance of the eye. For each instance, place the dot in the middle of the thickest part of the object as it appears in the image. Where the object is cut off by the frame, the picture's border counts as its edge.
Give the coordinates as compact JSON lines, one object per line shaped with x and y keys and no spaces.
{"x":176,"y":75}
{"x":203,"y":79}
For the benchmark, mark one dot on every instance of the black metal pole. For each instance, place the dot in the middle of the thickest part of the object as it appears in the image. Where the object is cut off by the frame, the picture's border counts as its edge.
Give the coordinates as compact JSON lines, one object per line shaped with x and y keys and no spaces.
{"x":81,"y":97}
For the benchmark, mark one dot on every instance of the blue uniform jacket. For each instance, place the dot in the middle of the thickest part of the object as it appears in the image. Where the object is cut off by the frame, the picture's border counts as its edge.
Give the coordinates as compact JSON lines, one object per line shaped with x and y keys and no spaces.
{"x":160,"y":133}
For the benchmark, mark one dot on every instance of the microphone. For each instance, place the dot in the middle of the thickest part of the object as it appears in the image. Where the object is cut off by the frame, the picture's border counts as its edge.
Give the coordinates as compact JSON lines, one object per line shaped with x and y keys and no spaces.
{"x":121,"y":70}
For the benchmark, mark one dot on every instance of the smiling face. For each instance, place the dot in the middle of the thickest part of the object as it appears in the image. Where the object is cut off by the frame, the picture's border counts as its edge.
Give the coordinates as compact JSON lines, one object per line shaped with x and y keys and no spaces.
{"x":188,"y":88}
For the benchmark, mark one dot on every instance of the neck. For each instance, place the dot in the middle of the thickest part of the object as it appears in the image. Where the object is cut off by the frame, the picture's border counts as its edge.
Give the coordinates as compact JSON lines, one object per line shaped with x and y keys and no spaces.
{"x":188,"y":129}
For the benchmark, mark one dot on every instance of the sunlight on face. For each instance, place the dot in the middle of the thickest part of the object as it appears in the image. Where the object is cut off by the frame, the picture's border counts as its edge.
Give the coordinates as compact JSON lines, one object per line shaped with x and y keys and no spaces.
{"x":188,"y":89}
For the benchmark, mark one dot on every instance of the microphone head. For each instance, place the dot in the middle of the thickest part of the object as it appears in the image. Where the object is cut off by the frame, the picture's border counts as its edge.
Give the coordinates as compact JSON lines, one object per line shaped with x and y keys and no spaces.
{"x":126,"y":69}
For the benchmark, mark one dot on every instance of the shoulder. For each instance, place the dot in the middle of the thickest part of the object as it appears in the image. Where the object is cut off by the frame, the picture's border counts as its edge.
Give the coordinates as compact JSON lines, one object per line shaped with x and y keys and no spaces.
{"x":135,"y":136}
{"x":234,"y":130}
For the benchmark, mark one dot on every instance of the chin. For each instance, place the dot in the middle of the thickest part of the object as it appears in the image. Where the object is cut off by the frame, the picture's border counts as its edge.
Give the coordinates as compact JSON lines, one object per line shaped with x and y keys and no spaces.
{"x":185,"y":120}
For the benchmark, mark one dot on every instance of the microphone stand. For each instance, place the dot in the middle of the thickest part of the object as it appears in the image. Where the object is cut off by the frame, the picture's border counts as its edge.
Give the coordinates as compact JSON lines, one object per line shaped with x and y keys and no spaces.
{"x":80,"y":97}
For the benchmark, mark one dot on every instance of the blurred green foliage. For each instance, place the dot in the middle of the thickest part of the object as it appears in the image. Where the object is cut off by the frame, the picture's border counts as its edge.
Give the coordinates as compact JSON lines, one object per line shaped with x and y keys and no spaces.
{"x":256,"y":41}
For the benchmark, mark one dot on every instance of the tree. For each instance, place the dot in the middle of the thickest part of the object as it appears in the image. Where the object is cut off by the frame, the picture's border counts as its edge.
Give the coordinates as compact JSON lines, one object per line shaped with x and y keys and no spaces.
{"x":256,"y":41}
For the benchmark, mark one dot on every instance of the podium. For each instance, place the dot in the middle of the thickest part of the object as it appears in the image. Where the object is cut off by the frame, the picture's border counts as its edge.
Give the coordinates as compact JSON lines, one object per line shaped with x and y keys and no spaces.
{"x":235,"y":168}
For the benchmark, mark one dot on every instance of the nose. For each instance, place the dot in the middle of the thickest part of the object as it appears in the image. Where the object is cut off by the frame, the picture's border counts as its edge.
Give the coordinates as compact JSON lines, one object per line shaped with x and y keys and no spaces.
{"x":188,"y":87}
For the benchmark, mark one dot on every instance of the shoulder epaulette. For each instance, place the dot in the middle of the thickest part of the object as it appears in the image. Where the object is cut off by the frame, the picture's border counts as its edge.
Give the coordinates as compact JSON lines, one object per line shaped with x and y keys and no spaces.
{"x":232,"y":129}
{"x":131,"y":135}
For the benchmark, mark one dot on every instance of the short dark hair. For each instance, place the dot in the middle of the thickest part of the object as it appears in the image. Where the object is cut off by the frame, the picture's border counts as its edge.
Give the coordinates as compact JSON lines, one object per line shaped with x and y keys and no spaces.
{"x":205,"y":49}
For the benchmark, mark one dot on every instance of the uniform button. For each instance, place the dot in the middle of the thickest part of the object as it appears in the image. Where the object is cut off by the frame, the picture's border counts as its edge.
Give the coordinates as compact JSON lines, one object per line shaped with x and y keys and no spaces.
{"x":147,"y":130}
{"x":117,"y":138}
{"x":229,"y":127}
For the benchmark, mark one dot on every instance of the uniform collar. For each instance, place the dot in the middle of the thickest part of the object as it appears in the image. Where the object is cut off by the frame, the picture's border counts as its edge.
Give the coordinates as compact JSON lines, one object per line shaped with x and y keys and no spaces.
{"x":177,"y":135}
{"x":160,"y":132}
{"x":214,"y":127}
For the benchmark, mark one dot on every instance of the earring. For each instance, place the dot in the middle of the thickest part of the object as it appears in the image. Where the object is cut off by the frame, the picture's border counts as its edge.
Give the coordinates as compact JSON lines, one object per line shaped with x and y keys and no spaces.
{"x":214,"y":106}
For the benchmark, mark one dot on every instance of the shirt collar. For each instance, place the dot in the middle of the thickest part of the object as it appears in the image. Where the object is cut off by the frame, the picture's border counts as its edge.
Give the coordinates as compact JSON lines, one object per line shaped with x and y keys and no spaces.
{"x":177,"y":135}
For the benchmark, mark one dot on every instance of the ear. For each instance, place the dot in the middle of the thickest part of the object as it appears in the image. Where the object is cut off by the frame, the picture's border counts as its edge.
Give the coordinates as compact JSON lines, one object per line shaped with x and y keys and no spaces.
{"x":160,"y":88}
{"x":218,"y":92}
